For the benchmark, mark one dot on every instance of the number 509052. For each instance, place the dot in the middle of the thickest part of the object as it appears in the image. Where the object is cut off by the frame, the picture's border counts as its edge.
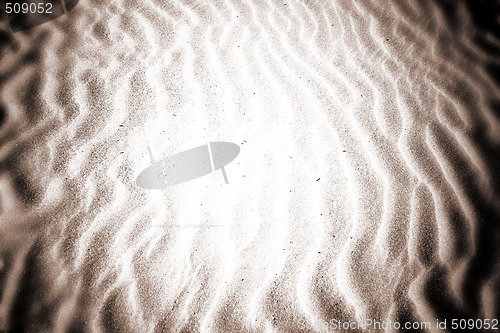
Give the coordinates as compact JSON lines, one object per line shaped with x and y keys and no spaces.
{"x":32,"y":8}
{"x":464,"y":324}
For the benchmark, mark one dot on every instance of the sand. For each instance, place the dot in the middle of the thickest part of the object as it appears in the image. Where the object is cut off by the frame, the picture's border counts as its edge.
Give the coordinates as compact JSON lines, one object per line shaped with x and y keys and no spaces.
{"x":366,"y":187}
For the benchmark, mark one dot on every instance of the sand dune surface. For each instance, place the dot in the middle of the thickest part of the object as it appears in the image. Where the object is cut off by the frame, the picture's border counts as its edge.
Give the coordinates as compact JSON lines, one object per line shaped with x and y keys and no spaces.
{"x":366,"y":188}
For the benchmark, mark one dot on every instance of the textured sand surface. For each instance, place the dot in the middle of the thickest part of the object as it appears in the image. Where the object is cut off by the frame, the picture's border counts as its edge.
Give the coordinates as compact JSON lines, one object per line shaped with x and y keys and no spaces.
{"x":367,"y":185}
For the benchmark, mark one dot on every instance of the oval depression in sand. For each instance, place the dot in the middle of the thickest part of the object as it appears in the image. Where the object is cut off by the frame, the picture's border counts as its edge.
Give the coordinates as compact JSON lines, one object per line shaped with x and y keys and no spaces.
{"x":188,"y":165}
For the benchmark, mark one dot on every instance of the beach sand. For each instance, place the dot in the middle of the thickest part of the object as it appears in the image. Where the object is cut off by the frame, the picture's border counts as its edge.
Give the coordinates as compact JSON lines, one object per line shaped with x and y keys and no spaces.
{"x":366,"y":187}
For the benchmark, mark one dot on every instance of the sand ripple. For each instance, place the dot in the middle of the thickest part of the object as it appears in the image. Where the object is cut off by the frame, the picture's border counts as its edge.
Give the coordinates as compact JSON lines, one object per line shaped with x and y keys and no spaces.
{"x":367,"y":186}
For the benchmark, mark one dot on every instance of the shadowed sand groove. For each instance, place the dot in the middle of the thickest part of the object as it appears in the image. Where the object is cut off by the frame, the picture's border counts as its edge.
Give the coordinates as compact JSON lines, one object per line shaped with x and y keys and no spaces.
{"x":366,"y":187}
